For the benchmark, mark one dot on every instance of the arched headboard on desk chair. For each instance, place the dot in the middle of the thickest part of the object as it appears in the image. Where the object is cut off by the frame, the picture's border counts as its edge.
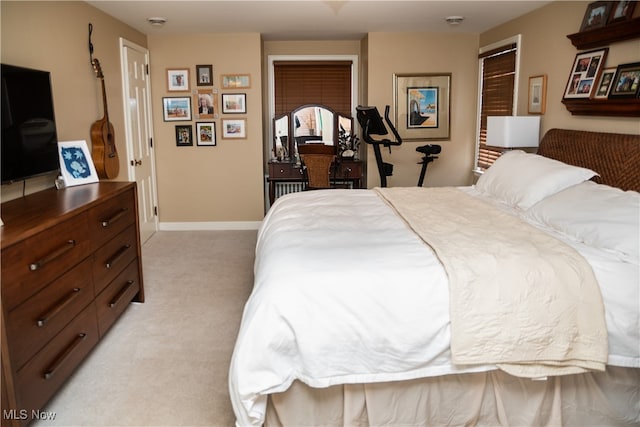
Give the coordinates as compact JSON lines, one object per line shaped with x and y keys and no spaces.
{"x":615,"y":157}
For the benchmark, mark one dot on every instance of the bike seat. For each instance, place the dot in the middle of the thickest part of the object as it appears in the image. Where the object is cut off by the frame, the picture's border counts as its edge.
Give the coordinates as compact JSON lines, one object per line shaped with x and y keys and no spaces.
{"x":429,"y":149}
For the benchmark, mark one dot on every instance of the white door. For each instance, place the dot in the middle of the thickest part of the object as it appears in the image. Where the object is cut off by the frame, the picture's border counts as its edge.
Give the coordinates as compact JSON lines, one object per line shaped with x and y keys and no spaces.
{"x":139,"y":133}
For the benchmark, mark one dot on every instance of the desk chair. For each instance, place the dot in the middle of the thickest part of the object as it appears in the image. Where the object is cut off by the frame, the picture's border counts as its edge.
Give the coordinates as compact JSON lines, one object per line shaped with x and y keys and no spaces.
{"x":317,"y":160}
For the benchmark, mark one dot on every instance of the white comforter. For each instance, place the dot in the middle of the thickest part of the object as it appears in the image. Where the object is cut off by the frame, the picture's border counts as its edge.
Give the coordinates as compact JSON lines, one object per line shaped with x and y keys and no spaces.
{"x":346,"y":293}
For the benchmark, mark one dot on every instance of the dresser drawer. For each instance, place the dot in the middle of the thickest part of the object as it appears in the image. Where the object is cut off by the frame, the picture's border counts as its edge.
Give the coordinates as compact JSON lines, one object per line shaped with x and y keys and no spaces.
{"x":284,"y":171}
{"x":46,"y":371}
{"x":113,"y":257}
{"x":111,"y":217}
{"x":31,"y":264}
{"x":115,"y":298}
{"x":34,"y":322}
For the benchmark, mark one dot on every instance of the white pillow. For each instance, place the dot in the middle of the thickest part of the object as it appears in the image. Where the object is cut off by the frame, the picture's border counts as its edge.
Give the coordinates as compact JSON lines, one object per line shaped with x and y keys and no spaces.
{"x":522,"y":179}
{"x":596,"y":214}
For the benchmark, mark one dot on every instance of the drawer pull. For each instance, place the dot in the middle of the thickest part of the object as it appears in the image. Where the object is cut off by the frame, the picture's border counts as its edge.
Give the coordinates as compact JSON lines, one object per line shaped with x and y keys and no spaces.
{"x":64,"y":355}
{"x":70,"y":244}
{"x":117,"y":256}
{"x":60,"y":305}
{"x":114,"y":218}
{"x":121,"y":293}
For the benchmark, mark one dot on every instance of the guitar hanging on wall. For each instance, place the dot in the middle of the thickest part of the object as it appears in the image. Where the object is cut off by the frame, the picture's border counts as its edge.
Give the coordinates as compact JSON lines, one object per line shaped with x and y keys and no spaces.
{"x":103,"y":144}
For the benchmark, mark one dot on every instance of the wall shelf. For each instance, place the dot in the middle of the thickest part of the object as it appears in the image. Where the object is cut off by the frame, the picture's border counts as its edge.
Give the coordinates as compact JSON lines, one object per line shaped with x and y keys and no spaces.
{"x":625,"y":30}
{"x":605,"y":107}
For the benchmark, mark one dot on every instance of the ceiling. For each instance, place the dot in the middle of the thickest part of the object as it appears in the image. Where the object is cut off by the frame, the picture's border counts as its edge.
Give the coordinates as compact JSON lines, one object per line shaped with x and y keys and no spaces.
{"x":313,"y":19}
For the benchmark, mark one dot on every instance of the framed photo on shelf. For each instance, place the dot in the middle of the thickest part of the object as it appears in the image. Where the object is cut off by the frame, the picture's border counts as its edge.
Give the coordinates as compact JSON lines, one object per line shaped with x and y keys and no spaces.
{"x":422,"y":106}
{"x":184,"y":135}
{"x":206,"y":133}
{"x":585,"y":73}
{"x":234,"y":103}
{"x":176,"y":108}
{"x":204,"y":74}
{"x":604,"y":84}
{"x":178,"y":79}
{"x":234,"y":128}
{"x":626,"y":82}
{"x":235,"y":81}
{"x":537,"y":94}
{"x":596,"y":16}
{"x":76,"y":164}
{"x":206,"y":101}
{"x":621,"y":11}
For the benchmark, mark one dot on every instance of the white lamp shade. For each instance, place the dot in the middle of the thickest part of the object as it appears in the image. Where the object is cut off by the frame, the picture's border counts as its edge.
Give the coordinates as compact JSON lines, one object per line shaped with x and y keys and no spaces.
{"x":513,"y":131}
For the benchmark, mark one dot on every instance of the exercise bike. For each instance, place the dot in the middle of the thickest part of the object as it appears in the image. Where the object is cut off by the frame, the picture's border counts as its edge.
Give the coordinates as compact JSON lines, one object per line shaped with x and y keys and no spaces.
{"x":372,"y":124}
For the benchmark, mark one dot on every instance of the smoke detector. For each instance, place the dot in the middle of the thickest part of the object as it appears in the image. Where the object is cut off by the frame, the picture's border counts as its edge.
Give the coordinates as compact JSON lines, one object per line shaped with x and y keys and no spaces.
{"x":454,"y":20}
{"x":157,"y":21}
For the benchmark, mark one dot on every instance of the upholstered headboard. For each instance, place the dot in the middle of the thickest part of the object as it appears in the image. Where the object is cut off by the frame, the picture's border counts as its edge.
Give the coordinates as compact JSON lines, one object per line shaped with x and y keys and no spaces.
{"x":614,"y":156}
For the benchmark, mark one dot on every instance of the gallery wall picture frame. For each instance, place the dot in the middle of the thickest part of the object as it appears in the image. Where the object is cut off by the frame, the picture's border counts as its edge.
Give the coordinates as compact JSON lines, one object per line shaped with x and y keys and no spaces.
{"x":537,"y":94}
{"x":234,"y":103}
{"x":76,"y":164}
{"x":206,"y":134}
{"x":234,"y":129}
{"x":235,"y":81}
{"x":184,"y":135}
{"x":585,"y":73}
{"x":206,"y":102}
{"x":422,"y":106}
{"x":204,"y":75}
{"x":626,"y":82}
{"x":596,"y":15}
{"x":178,"y":79}
{"x":604,"y":84}
{"x":621,"y":11}
{"x":176,"y":108}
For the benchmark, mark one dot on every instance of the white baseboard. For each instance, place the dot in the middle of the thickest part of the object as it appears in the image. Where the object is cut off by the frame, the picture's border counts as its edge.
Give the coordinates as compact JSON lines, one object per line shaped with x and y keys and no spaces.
{"x":203,"y":226}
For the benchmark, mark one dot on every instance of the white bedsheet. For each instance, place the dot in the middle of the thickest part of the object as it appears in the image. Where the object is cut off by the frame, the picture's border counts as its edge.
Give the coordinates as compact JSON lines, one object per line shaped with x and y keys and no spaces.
{"x":346,"y":293}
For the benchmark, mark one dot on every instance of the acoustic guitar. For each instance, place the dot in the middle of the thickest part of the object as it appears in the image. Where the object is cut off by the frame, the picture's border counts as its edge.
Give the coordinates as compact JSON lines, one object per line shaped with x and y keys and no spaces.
{"x":103,"y":144}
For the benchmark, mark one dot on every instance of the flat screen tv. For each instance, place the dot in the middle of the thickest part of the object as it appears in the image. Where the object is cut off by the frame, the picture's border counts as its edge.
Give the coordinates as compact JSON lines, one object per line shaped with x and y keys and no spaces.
{"x":28,"y":140}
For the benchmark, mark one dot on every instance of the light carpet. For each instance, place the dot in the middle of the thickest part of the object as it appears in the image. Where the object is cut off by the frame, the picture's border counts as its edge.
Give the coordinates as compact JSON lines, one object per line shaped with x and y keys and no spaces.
{"x":165,"y":362}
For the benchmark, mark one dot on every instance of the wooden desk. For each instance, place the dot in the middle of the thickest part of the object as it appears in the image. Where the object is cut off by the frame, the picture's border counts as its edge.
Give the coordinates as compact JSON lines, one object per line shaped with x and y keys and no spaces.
{"x":287,"y":171}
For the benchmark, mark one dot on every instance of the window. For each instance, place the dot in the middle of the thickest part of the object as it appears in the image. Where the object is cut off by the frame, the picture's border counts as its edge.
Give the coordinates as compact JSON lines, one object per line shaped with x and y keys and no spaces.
{"x":497,"y":93}
{"x":312,"y":82}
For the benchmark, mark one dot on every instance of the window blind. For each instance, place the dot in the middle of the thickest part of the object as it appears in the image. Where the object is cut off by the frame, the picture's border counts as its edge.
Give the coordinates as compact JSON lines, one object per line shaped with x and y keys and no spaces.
{"x":298,"y":83}
{"x":498,"y":80}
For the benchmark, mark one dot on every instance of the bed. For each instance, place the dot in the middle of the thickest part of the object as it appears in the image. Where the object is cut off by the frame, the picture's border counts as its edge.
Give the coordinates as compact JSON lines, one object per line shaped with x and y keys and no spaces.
{"x":356,"y":320}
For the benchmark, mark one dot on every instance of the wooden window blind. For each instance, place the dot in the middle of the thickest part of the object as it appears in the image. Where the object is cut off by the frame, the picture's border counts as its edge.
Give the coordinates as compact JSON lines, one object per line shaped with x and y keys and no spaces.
{"x":498,"y":79}
{"x":298,"y":83}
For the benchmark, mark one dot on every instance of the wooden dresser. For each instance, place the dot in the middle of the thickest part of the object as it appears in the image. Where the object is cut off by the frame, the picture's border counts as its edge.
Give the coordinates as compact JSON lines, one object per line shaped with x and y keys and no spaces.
{"x":71,"y":264}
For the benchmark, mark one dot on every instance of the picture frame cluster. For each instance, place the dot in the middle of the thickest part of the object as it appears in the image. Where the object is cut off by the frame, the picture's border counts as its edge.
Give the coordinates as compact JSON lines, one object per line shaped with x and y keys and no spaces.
{"x":184,"y":104}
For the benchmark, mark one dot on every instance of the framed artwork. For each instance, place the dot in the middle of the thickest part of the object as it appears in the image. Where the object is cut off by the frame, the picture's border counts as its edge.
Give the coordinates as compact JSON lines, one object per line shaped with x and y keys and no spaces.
{"x":626,"y":82}
{"x":234,"y":103}
{"x":537,"y":94}
{"x":596,"y":15}
{"x":234,"y":81}
{"x":604,"y":85}
{"x":184,"y":135}
{"x":621,"y":11}
{"x":204,"y":74}
{"x":178,"y":79}
{"x":422,"y":106}
{"x":206,"y":103}
{"x":234,"y":128}
{"x":76,"y":164}
{"x":585,"y":73}
{"x":206,"y":133}
{"x":176,"y":108}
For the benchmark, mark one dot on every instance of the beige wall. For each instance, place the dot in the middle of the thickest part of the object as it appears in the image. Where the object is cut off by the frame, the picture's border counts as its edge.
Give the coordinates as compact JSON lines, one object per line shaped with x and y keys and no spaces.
{"x":53,"y":36}
{"x":208,"y":184}
{"x":454,"y":53}
{"x":547,"y":50}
